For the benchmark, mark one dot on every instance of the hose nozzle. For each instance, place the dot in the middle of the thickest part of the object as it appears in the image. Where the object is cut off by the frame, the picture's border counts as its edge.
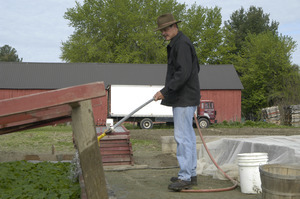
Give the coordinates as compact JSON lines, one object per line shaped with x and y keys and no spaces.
{"x":107,"y":131}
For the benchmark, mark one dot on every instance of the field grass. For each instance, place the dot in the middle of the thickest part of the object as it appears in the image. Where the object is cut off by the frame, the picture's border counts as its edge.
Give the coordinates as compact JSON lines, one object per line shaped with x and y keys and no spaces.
{"x":137,"y":144}
{"x":42,"y":139}
{"x":224,"y":124}
{"x":39,"y":140}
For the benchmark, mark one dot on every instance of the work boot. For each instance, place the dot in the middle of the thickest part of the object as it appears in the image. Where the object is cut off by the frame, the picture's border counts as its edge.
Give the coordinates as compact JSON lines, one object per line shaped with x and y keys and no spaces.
{"x":179,"y":185}
{"x":193,"y":180}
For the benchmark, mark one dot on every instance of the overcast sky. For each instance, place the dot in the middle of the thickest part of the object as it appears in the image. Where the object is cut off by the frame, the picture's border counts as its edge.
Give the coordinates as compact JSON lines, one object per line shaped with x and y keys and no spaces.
{"x":36,"y":28}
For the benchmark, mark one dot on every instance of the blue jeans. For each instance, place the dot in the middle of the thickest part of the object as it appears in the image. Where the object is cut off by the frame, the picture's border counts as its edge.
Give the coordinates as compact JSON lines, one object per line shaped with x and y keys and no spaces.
{"x":186,"y":141}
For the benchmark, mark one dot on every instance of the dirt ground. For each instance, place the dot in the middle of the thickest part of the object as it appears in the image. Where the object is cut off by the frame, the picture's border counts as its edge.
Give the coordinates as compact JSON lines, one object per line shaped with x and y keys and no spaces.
{"x":152,"y":181}
{"x":149,"y":177}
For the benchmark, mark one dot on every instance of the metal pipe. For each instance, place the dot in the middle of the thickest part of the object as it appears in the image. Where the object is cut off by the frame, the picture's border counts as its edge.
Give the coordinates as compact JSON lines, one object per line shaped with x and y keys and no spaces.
{"x":130,"y":114}
{"x":111,"y":129}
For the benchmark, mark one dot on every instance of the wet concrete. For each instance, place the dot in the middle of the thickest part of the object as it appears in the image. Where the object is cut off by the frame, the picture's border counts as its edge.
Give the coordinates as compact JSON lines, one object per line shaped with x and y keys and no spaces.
{"x":153,"y":182}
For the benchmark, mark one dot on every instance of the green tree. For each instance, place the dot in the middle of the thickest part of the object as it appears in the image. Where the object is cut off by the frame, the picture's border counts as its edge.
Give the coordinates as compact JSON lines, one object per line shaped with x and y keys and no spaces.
{"x":265,"y":63}
{"x":203,"y":26}
{"x":118,"y":31}
{"x":121,"y":31}
{"x":9,"y":54}
{"x":291,"y":94}
{"x":253,"y":21}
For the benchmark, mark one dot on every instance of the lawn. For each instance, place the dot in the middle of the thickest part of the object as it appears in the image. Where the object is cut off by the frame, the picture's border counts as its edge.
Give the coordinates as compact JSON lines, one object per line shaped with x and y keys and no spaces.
{"x":39,"y":140}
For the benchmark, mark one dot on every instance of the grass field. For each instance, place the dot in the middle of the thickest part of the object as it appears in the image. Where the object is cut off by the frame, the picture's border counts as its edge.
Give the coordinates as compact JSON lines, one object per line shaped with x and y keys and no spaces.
{"x":39,"y":140}
{"x":42,"y":139}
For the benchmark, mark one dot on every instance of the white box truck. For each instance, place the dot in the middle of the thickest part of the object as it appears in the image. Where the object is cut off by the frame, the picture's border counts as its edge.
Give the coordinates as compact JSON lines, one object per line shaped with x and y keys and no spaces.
{"x":123,"y":99}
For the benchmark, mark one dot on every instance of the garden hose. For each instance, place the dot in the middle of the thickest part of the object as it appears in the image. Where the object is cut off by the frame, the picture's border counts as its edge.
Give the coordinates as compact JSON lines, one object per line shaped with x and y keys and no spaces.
{"x":111,"y":129}
{"x":235,"y":183}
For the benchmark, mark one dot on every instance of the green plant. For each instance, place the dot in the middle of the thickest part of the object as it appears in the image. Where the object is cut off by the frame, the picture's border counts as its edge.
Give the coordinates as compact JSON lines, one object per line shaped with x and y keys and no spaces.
{"x":23,"y":179}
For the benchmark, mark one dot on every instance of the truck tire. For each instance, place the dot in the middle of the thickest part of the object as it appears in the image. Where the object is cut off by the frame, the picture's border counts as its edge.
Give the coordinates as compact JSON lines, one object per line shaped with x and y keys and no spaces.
{"x":146,"y":123}
{"x":203,"y":123}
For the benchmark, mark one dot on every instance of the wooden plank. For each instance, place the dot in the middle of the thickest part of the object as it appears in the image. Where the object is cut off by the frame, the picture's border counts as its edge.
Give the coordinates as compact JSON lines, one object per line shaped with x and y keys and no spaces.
{"x":116,"y":141}
{"x":113,"y":152}
{"x":116,"y":148}
{"x":117,"y":163}
{"x":37,"y":109}
{"x":88,"y":149}
{"x":116,"y":158}
{"x":34,"y":125}
{"x":34,"y":116}
{"x":115,"y":137}
{"x":108,"y":145}
{"x":51,"y":98}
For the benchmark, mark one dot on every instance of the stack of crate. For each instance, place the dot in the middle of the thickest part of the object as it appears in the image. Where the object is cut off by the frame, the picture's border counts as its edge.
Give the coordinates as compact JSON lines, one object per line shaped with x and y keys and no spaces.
{"x":271,"y":114}
{"x":115,"y":147}
{"x":292,"y":115}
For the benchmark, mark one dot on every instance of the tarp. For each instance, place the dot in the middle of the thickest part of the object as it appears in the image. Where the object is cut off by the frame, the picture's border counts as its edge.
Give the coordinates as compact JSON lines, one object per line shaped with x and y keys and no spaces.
{"x":281,"y":150}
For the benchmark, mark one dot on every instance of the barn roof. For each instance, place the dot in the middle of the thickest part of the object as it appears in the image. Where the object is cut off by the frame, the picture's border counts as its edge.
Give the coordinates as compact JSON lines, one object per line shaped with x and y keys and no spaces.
{"x":22,"y":75}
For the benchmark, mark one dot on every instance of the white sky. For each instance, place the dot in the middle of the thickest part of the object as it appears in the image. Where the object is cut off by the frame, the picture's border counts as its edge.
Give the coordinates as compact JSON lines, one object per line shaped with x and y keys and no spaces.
{"x":36,"y":28}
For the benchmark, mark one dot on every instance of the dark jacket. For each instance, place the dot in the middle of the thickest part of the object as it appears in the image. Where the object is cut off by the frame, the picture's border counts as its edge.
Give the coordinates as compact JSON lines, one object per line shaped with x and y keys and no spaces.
{"x":182,"y":83}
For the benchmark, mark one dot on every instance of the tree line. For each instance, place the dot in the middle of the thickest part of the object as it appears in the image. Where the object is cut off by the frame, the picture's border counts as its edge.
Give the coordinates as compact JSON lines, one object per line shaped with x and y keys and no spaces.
{"x":121,"y":31}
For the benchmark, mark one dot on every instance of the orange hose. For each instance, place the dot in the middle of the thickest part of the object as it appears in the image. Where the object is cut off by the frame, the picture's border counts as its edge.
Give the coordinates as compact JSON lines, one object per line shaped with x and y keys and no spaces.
{"x":213,"y":160}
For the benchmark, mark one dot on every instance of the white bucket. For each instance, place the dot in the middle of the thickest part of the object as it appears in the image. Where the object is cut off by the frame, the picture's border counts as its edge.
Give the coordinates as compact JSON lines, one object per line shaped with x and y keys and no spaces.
{"x":249,"y":171}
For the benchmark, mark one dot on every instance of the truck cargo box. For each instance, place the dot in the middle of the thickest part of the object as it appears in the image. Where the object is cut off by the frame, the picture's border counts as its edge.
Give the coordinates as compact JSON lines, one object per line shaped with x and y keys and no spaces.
{"x":125,"y":98}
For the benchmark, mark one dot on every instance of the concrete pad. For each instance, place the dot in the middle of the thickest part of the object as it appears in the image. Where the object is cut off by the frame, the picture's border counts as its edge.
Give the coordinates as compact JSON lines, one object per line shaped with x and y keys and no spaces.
{"x":124,"y":167}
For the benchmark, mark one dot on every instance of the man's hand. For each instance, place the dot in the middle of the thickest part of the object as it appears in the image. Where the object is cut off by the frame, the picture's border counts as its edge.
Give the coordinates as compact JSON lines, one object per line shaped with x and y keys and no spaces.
{"x":158,"y":96}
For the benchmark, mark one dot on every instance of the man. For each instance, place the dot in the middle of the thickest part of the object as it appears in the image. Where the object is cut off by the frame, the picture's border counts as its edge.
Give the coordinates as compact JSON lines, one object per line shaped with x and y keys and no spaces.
{"x":182,"y":93}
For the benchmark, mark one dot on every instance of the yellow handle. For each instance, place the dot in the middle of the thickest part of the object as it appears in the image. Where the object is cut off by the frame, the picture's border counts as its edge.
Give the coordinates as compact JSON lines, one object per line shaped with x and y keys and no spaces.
{"x":101,"y":136}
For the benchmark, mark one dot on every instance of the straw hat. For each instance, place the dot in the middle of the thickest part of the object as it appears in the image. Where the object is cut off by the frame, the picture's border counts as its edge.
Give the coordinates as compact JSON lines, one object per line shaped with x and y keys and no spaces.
{"x":165,"y":20}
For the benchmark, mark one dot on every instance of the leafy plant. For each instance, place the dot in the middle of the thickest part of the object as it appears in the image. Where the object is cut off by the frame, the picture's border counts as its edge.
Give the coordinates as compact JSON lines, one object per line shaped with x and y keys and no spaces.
{"x":23,"y":179}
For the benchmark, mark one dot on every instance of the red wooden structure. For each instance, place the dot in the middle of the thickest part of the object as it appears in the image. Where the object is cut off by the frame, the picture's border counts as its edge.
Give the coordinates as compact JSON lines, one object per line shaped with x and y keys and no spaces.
{"x":116,"y":148}
{"x":227,"y":103}
{"x":57,"y":106}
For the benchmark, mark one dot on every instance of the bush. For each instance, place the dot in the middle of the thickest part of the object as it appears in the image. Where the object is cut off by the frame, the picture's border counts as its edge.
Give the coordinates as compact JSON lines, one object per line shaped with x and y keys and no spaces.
{"x":247,"y":123}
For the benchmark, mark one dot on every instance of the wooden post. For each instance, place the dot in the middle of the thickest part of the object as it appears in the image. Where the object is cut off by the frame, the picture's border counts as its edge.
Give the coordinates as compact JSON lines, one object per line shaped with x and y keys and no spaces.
{"x":90,"y":158}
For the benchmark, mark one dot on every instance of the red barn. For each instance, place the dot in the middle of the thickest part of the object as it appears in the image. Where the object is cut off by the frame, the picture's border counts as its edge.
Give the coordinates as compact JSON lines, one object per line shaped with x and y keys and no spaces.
{"x":217,"y":82}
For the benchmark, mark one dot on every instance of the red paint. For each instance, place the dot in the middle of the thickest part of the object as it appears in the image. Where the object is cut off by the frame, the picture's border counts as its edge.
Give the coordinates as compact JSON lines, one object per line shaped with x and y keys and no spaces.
{"x":227,"y":103}
{"x":29,"y":111}
{"x":51,"y":98}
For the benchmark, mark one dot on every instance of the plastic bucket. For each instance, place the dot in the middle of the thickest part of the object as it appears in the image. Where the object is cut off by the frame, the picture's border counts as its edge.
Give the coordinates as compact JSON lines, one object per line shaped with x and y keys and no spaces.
{"x":280,"y":181}
{"x":249,"y":171}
